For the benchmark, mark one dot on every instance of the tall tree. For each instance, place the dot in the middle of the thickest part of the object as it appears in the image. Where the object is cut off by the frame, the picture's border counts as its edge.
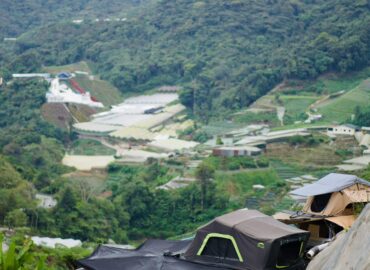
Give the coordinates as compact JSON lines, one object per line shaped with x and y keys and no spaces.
{"x":204,"y":174}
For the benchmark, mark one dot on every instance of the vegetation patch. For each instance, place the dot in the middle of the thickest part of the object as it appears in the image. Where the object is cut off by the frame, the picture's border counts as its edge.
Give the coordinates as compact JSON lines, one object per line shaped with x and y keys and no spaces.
{"x":296,"y":107}
{"x":342,"y":108}
{"x":88,"y":147}
{"x":236,"y":163}
{"x":269,"y":118}
{"x":317,"y":156}
{"x":103,"y":91}
{"x":80,"y":66}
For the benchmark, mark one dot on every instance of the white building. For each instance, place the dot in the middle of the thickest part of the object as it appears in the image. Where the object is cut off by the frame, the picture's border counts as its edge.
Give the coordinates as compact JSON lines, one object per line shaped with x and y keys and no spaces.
{"x":46,"y":201}
{"x":346,"y":129}
{"x":61,"y":93}
{"x":31,"y":75}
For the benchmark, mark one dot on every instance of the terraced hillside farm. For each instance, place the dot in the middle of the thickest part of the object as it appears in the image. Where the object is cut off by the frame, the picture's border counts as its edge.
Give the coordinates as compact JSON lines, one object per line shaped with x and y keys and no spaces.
{"x":296,"y":107}
{"x":333,"y":96}
{"x":341,"y":108}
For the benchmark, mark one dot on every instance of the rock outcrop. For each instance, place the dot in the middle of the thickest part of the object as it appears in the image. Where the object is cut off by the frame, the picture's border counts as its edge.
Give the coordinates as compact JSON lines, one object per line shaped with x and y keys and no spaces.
{"x":350,"y":251}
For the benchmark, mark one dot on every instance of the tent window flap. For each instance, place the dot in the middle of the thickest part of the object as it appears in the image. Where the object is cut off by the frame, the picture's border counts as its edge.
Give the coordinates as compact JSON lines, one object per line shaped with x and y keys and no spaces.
{"x":222,"y":246}
{"x":319,"y":202}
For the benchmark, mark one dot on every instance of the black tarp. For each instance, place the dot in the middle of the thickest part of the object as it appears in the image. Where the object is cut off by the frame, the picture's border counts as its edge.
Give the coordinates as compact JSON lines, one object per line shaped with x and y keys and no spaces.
{"x":152,"y":255}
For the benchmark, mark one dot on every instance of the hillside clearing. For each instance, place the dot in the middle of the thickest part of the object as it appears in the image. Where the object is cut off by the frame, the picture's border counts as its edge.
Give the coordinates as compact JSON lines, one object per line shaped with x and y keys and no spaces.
{"x":342,"y":108}
{"x":320,"y":156}
{"x":79,"y":66}
{"x":87,"y":163}
{"x":103,"y":91}
{"x":90,"y":147}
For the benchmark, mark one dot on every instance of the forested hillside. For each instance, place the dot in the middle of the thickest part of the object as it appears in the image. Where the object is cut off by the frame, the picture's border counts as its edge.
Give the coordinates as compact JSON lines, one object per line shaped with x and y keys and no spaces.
{"x":19,"y":16}
{"x":226,"y":53}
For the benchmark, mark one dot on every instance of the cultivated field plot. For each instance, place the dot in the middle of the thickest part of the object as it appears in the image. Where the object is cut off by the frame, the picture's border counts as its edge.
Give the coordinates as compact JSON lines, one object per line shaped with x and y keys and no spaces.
{"x":341,"y":109}
{"x":88,"y":183}
{"x":87,"y":163}
{"x":264,"y":103}
{"x":90,"y":147}
{"x":57,"y":114}
{"x":319,"y":156}
{"x":296,"y":106}
{"x":103,"y":91}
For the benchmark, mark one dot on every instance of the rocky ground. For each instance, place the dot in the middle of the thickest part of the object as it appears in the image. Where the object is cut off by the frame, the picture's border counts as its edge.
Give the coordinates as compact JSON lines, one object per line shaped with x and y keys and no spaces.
{"x":350,"y":251}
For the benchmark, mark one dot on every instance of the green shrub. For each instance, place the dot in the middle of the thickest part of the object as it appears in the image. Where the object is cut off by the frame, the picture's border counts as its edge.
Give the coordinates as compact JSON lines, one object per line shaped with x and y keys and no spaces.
{"x":232,"y":166}
{"x":16,"y":218}
{"x":247,"y":162}
{"x":22,"y":258}
{"x":262,"y":162}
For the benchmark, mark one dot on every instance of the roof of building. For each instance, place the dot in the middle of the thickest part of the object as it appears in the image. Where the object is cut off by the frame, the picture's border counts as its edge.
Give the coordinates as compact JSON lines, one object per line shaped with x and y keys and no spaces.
{"x":160,"y":118}
{"x":351,"y":126}
{"x":245,"y":148}
{"x":64,"y":75}
{"x":95,"y":127}
{"x":133,"y":133}
{"x":333,"y":182}
{"x":173,"y":144}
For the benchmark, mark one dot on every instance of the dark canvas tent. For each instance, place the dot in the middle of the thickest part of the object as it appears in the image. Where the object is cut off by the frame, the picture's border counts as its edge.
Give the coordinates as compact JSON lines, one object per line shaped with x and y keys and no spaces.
{"x":332,"y":194}
{"x":248,"y":239}
{"x":244,"y":239}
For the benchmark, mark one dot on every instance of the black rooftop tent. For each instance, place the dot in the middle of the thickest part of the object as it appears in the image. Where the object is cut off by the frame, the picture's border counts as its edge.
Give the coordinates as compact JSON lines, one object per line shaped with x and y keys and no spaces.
{"x":248,"y":239}
{"x":244,"y":239}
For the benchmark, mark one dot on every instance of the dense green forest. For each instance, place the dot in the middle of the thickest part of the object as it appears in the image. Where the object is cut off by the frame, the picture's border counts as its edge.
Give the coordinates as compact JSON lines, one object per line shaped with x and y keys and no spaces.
{"x":225,"y":53}
{"x":19,"y":16}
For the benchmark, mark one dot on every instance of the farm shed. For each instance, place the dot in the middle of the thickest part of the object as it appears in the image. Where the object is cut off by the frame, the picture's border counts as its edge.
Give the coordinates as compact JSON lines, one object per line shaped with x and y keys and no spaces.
{"x":64,"y":76}
{"x":347,"y":129}
{"x":236,"y":151}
